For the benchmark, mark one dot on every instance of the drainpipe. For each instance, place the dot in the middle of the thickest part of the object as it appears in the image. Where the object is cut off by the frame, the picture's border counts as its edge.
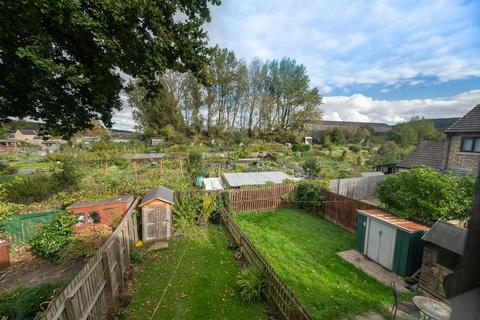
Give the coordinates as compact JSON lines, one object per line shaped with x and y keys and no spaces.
{"x":449,"y":137}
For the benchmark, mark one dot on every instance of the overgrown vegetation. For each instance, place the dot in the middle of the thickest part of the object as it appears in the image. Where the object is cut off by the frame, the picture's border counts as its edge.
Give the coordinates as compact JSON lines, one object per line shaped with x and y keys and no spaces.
{"x":251,"y":284}
{"x":310,"y":194}
{"x":425,"y":195}
{"x":52,"y":237}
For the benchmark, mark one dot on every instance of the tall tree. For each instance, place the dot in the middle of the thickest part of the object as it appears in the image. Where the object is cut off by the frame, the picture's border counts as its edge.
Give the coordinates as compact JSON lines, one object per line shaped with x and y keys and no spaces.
{"x":63,"y":61}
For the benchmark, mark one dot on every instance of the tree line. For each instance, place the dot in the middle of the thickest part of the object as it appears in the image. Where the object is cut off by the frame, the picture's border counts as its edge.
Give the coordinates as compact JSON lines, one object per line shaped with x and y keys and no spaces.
{"x":262,"y":99}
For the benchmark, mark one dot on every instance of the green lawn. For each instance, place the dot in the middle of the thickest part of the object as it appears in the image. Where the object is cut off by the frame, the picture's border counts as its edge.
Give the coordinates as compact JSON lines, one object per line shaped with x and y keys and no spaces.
{"x":203,"y":287}
{"x":302,"y":249}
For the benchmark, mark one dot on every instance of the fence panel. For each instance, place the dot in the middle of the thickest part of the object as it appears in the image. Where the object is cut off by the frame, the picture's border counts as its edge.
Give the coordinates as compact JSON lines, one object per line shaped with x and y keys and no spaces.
{"x":277,"y":290}
{"x":260,"y":199}
{"x":342,"y":210}
{"x":91,"y":294}
{"x":356,"y":188}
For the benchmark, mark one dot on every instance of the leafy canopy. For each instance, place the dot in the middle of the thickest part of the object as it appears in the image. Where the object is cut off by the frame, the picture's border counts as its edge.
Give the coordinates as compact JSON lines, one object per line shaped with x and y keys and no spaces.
{"x":65,"y":61}
{"x":426,"y":195}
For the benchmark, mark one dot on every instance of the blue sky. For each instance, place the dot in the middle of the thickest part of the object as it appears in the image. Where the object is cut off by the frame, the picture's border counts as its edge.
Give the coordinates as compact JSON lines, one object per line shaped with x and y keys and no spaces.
{"x":383,"y":51}
{"x":371,"y":60}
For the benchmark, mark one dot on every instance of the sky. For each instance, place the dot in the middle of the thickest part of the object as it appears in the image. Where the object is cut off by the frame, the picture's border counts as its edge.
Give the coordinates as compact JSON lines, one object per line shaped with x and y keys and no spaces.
{"x":379,"y":61}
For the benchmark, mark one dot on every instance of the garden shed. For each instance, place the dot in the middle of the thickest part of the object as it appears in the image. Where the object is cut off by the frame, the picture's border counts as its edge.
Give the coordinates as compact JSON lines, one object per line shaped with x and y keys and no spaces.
{"x":100,"y":212}
{"x":394,"y":243}
{"x":444,"y":245}
{"x":157,"y":214}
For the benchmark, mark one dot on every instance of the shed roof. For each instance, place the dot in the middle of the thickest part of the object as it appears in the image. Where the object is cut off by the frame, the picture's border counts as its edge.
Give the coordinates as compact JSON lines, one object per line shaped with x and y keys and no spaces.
{"x":371,"y":174}
{"x":255,"y":178}
{"x":386,"y":217}
{"x":429,"y":153}
{"x":448,"y":236}
{"x":213,"y":184}
{"x":468,"y":123}
{"x":113,"y":200}
{"x":159,"y":193}
{"x":143,"y":156}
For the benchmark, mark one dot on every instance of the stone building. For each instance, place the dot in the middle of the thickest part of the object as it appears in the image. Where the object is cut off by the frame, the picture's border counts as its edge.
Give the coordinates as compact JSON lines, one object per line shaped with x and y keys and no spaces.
{"x":460,"y":153}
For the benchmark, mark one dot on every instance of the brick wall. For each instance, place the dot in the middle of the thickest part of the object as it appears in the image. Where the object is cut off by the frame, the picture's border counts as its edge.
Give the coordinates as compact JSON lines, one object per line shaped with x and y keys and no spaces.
{"x":462,"y":160}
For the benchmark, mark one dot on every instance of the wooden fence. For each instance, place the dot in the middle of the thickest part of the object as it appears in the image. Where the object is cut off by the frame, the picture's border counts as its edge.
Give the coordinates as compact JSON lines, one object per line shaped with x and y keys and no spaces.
{"x":342,"y":210}
{"x":260,"y":199}
{"x":277,"y":290}
{"x":91,"y":294}
{"x":356,"y":188}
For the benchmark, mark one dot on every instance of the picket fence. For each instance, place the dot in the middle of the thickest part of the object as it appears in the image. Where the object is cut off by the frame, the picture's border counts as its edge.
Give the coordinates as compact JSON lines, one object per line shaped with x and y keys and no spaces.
{"x":277,"y":290}
{"x":91,"y":294}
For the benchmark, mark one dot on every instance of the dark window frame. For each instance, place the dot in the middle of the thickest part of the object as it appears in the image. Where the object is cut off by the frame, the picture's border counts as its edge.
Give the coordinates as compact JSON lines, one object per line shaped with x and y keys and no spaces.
{"x":472,"y":149}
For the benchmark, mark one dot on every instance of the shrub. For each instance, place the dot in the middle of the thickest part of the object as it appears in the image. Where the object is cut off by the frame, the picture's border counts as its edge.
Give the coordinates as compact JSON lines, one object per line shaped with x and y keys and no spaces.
{"x":251,"y":284}
{"x":195,"y":164}
{"x":84,"y":244}
{"x":137,"y":257}
{"x":426,"y":195}
{"x":208,"y":206}
{"x":186,"y":210}
{"x":300,"y":147}
{"x":310,"y":194}
{"x":68,"y":174}
{"x":355,"y":148}
{"x":311,"y":167}
{"x":53,"y":236}
{"x":25,"y":303}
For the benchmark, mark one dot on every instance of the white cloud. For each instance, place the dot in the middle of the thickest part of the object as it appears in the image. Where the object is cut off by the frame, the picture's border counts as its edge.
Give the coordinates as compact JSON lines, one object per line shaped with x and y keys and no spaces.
{"x":344,"y":42}
{"x":358,"y":107}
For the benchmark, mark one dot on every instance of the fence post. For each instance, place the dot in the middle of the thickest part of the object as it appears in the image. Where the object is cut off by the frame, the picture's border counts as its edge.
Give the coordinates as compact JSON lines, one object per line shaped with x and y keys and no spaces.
{"x":107,"y":276}
{"x":69,"y":309}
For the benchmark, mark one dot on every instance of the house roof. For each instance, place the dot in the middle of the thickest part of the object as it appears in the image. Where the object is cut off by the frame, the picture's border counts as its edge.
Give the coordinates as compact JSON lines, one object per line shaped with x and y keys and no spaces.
{"x":384,"y":216}
{"x":430,"y":153}
{"x":468,"y":123}
{"x":159,"y":193}
{"x":113,"y":200}
{"x":255,"y":178}
{"x":447,"y":236}
{"x":28,"y":132}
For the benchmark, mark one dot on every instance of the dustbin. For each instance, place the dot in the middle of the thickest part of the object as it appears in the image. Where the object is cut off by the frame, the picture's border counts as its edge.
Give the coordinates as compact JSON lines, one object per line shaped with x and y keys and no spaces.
{"x":4,"y":254}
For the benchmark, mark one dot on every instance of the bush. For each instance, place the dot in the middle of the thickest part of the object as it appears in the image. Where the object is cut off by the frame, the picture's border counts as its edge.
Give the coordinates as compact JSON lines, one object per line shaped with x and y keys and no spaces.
{"x":53,"y":236}
{"x":310,"y":194}
{"x":137,"y":257}
{"x":195,"y":164}
{"x":251,"y":284}
{"x":25,"y":303}
{"x":68,"y":174}
{"x":425,"y":195}
{"x":186,"y":210}
{"x":84,"y":244}
{"x":311,"y":167}
{"x":208,"y":206}
{"x":300,"y":147}
{"x":355,"y":148}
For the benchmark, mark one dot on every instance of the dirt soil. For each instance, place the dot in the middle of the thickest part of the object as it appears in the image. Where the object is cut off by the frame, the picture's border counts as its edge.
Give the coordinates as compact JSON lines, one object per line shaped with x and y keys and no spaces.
{"x":29,"y":270}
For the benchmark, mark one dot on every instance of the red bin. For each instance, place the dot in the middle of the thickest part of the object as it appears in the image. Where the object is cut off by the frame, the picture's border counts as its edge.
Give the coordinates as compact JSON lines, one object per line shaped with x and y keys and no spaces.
{"x":4,"y":254}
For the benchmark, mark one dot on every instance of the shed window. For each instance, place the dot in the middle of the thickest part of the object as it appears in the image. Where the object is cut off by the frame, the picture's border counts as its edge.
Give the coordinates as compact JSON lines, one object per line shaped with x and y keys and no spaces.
{"x":448,"y":259}
{"x":94,"y":217}
{"x":470,"y":144}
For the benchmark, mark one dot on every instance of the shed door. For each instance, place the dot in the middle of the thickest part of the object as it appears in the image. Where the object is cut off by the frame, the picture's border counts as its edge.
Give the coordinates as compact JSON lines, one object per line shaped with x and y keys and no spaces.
{"x":381,"y":243}
{"x":157,"y":220}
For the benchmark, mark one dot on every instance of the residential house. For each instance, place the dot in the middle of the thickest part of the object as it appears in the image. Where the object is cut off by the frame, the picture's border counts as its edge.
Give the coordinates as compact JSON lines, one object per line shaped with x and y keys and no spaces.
{"x":460,"y":153}
{"x":28,"y":135}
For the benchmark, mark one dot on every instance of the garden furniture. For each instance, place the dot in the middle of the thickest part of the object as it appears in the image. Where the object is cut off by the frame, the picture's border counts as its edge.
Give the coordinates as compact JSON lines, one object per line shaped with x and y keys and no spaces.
{"x":431,"y":308}
{"x":404,"y":306}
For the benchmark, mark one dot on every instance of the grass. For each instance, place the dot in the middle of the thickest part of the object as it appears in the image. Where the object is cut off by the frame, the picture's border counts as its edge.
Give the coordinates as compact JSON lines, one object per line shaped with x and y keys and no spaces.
{"x":31,"y":165}
{"x":303,"y":248}
{"x":203,"y":287}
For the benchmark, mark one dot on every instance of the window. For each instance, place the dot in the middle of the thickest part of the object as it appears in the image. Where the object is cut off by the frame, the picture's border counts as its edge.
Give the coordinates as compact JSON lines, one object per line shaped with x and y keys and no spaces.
{"x":94,"y":217}
{"x":470,"y":144}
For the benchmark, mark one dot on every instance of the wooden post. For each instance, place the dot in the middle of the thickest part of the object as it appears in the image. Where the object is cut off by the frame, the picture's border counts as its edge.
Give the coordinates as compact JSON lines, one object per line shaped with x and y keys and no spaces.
{"x":107,"y":276}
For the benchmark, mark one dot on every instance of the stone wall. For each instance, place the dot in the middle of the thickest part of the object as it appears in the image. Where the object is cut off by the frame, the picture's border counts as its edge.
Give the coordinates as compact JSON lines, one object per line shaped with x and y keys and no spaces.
{"x":458,"y":160}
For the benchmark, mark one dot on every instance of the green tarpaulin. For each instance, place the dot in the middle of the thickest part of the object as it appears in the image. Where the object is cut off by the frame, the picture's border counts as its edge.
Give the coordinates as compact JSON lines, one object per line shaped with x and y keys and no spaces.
{"x":23,"y":226}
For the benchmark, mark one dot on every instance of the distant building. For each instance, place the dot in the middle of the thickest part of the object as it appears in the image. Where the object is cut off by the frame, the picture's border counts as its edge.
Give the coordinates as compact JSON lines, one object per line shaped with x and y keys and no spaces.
{"x":316,"y":129}
{"x":28,"y":135}
{"x":460,"y":153}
